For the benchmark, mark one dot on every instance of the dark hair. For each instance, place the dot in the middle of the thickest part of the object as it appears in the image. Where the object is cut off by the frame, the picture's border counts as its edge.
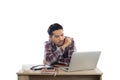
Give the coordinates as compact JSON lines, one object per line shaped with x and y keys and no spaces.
{"x":54,"y":27}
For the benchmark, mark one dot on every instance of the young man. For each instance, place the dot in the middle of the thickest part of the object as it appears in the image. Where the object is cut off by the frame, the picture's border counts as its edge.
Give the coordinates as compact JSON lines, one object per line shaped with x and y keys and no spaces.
{"x":59,"y":48}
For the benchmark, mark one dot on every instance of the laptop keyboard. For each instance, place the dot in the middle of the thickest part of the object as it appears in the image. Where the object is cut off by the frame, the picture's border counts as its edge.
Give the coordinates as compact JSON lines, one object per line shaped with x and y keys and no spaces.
{"x":64,"y":68}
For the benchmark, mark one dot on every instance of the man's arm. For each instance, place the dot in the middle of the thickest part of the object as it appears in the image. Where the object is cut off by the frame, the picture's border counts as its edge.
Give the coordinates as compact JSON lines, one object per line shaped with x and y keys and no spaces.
{"x":71,"y":49}
{"x":51,"y":57}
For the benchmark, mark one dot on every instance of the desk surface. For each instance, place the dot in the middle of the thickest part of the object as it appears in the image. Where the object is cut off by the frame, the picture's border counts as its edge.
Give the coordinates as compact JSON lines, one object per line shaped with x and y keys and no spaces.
{"x":60,"y":72}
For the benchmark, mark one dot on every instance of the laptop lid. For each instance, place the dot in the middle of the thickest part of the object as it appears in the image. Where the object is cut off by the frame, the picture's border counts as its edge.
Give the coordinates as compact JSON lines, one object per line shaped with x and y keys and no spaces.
{"x":84,"y":60}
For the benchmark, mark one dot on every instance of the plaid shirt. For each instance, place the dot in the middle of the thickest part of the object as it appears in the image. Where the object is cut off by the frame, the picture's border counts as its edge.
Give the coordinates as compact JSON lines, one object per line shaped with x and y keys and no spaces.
{"x":54,"y":54}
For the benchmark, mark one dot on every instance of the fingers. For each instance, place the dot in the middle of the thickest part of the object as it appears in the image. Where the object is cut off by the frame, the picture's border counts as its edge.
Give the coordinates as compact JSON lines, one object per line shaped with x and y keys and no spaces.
{"x":67,"y":41}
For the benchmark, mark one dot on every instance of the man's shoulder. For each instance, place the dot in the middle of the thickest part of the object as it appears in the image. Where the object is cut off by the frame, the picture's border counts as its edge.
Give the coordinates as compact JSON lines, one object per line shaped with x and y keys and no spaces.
{"x":70,"y":38}
{"x":47,"y":42}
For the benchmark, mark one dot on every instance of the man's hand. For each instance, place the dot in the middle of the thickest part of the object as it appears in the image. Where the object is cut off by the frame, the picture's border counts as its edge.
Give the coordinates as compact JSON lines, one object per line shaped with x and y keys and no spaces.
{"x":67,"y":42}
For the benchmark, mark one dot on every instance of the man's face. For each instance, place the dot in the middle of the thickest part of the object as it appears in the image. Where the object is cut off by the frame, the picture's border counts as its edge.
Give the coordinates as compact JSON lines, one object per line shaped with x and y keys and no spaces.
{"x":58,"y":37}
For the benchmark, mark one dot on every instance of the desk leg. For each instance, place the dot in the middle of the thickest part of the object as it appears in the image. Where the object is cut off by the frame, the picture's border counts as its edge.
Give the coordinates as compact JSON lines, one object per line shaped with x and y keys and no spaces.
{"x":23,"y":77}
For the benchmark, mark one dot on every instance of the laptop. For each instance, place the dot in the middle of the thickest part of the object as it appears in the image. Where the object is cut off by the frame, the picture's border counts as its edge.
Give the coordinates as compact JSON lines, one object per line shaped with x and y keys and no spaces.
{"x":83,"y":61}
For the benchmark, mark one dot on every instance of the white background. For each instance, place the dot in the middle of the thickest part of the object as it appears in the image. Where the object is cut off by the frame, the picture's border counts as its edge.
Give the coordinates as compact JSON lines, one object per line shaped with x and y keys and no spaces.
{"x":93,"y":24}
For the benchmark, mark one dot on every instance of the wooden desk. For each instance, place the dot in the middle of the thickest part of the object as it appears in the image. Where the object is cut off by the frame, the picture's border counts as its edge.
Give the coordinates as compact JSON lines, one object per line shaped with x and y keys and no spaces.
{"x":95,"y":74}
